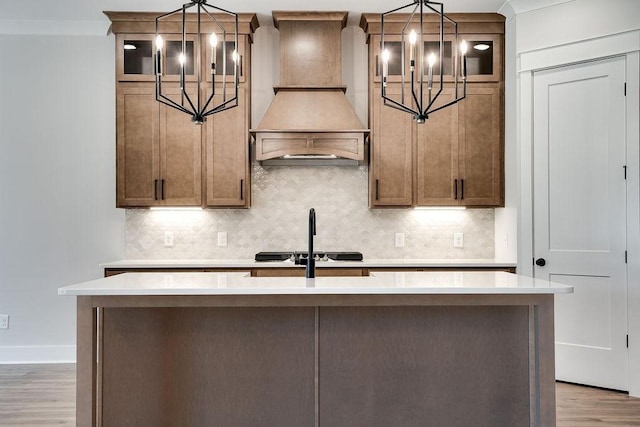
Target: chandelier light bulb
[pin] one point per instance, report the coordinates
(413, 37)
(182, 59)
(234, 56)
(385, 56)
(431, 60)
(213, 40)
(159, 43)
(463, 47)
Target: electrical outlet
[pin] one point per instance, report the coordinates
(399, 240)
(222, 238)
(458, 240)
(168, 239)
(4, 321)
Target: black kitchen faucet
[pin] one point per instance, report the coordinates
(311, 261)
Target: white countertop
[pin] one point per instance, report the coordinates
(249, 263)
(389, 283)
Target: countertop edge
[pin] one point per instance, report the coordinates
(382, 283)
(248, 263)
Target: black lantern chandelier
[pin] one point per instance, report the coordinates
(428, 58)
(198, 97)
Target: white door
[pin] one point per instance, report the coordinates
(580, 215)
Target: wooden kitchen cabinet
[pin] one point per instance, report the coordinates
(456, 158)
(227, 159)
(481, 146)
(158, 151)
(390, 174)
(163, 158)
(459, 154)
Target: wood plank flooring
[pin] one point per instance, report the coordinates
(44, 395)
(38, 395)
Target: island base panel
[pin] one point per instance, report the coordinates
(417, 366)
(208, 366)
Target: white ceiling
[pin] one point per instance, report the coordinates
(91, 10)
(85, 17)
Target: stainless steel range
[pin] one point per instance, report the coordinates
(296, 256)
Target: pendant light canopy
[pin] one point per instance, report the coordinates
(436, 57)
(182, 64)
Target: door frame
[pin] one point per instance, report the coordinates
(624, 44)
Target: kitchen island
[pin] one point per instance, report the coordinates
(391, 349)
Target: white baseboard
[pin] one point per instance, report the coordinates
(13, 355)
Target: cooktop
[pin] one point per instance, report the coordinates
(295, 256)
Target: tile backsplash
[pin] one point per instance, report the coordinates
(277, 221)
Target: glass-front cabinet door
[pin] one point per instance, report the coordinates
(483, 59)
(230, 47)
(136, 53)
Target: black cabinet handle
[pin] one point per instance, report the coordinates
(462, 189)
(155, 189)
(377, 189)
(541, 262)
(163, 189)
(242, 189)
(455, 185)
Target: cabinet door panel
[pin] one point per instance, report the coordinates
(480, 127)
(181, 146)
(227, 161)
(138, 158)
(437, 157)
(391, 164)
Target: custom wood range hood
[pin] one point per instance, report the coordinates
(310, 116)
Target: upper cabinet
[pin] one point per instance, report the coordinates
(163, 158)
(159, 160)
(455, 158)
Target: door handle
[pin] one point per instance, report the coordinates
(541, 262)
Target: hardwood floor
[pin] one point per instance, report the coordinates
(37, 395)
(578, 406)
(44, 395)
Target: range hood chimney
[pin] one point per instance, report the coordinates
(310, 116)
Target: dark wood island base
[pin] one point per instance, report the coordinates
(316, 360)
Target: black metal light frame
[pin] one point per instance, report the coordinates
(200, 107)
(423, 107)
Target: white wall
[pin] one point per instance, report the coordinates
(506, 219)
(57, 185)
(569, 32)
(574, 21)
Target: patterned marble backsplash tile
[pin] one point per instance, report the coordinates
(277, 221)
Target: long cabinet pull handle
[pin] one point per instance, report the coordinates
(163, 189)
(462, 189)
(377, 189)
(242, 189)
(155, 189)
(455, 185)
